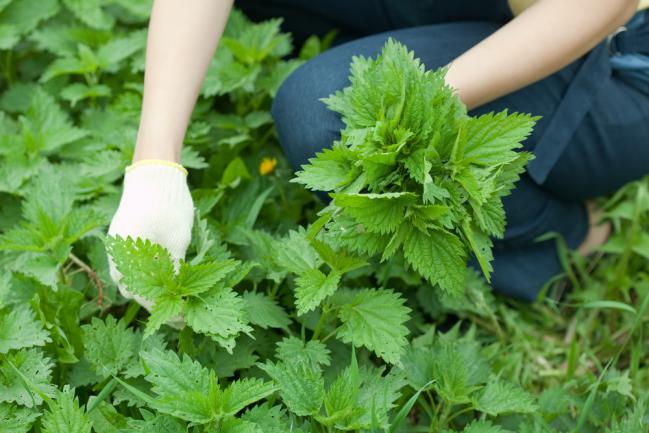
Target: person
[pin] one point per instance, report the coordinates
(553, 58)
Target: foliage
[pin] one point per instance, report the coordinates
(287, 324)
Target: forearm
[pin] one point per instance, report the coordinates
(543, 39)
(182, 38)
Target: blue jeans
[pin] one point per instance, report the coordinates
(608, 146)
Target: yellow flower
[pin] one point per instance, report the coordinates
(267, 165)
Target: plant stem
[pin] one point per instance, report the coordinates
(321, 321)
(92, 275)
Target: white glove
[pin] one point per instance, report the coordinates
(156, 205)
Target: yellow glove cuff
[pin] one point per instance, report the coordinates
(156, 162)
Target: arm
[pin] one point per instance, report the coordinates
(156, 203)
(181, 42)
(541, 40)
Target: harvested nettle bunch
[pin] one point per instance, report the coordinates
(413, 173)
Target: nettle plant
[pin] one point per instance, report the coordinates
(412, 173)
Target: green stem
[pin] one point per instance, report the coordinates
(321, 322)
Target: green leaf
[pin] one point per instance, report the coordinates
(24, 15)
(312, 287)
(196, 279)
(182, 387)
(439, 256)
(155, 423)
(244, 392)
(375, 319)
(327, 170)
(166, 309)
(272, 419)
(28, 364)
(301, 385)
(500, 397)
(14, 419)
(20, 329)
(378, 213)
(295, 254)
(108, 345)
(264, 311)
(483, 426)
(312, 352)
(65, 416)
(9, 36)
(90, 12)
(147, 268)
(78, 91)
(219, 314)
(491, 137)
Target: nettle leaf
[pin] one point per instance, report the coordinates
(220, 314)
(154, 423)
(483, 426)
(19, 329)
(197, 292)
(499, 397)
(328, 169)
(375, 318)
(29, 365)
(147, 268)
(91, 13)
(301, 385)
(64, 415)
(295, 254)
(378, 213)
(15, 419)
(408, 142)
(264, 311)
(183, 388)
(23, 16)
(312, 287)
(109, 346)
(244, 392)
(312, 352)
(439, 256)
(272, 419)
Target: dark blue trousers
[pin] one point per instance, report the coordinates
(603, 118)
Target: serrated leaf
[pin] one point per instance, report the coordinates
(295, 254)
(483, 426)
(147, 268)
(20, 329)
(312, 352)
(196, 279)
(301, 385)
(182, 387)
(14, 419)
(378, 213)
(500, 397)
(375, 319)
(312, 287)
(108, 345)
(219, 314)
(91, 13)
(64, 415)
(30, 365)
(327, 170)
(244, 392)
(439, 256)
(264, 311)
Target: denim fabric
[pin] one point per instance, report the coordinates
(608, 147)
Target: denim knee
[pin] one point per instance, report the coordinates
(304, 124)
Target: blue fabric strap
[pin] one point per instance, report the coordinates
(570, 112)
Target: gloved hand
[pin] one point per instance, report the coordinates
(156, 205)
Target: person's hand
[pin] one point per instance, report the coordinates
(156, 205)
